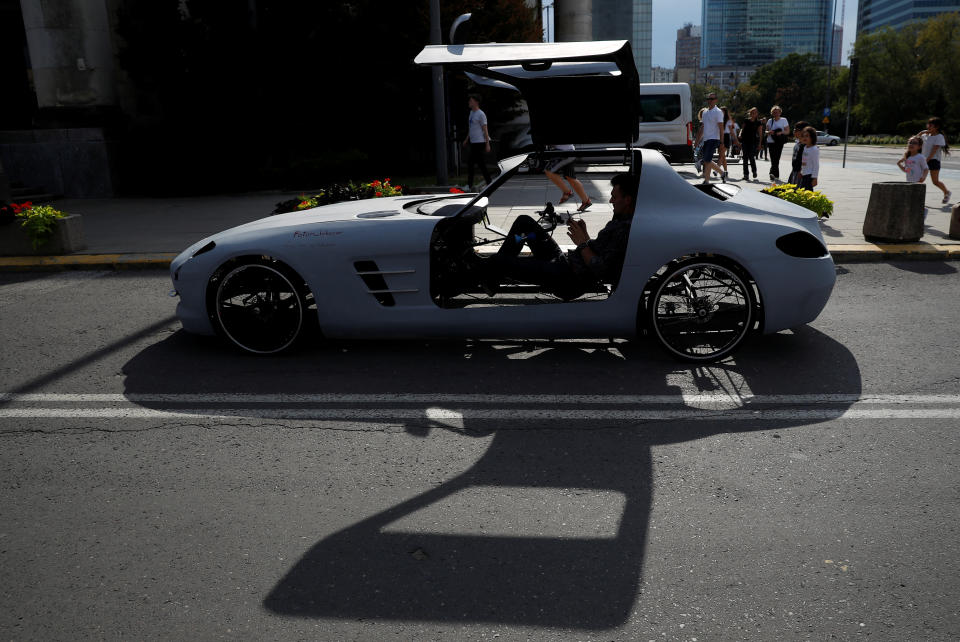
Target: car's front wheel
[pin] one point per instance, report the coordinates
(258, 307)
(701, 310)
(833, 143)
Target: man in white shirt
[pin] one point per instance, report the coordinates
(712, 135)
(478, 140)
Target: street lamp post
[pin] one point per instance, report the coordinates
(439, 120)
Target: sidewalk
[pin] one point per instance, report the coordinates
(148, 233)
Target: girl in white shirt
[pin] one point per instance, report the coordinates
(913, 162)
(810, 166)
(934, 142)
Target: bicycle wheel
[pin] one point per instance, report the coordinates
(701, 310)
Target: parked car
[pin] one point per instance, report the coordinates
(706, 266)
(823, 138)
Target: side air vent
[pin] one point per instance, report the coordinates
(374, 278)
(203, 250)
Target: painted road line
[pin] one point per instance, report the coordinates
(193, 399)
(481, 414)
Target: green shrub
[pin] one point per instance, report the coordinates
(813, 201)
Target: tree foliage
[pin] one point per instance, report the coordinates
(906, 75)
(797, 83)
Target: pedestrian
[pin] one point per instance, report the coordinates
(810, 164)
(711, 133)
(751, 132)
(698, 146)
(729, 137)
(913, 162)
(558, 169)
(777, 128)
(796, 160)
(935, 142)
(477, 140)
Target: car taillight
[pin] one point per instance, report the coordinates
(690, 134)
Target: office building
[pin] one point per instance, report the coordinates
(633, 21)
(874, 14)
(687, 53)
(741, 34)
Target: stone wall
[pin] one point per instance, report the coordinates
(74, 162)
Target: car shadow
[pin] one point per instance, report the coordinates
(398, 565)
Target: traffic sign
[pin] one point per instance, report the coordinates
(826, 111)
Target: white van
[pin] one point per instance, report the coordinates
(666, 122)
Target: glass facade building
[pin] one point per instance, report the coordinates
(633, 21)
(874, 14)
(750, 33)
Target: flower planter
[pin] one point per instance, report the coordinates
(67, 237)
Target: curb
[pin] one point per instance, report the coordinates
(148, 261)
(846, 253)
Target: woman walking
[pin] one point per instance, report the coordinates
(777, 130)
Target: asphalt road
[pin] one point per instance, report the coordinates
(159, 486)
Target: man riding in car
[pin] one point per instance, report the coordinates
(571, 274)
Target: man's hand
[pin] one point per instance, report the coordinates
(577, 231)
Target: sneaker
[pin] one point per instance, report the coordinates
(746, 177)
(946, 197)
(754, 176)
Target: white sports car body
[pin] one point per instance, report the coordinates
(705, 267)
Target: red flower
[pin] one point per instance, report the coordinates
(375, 183)
(379, 194)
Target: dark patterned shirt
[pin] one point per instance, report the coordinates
(610, 251)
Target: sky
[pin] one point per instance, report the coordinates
(670, 15)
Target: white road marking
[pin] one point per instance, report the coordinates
(399, 397)
(455, 409)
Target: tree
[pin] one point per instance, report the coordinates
(797, 83)
(938, 49)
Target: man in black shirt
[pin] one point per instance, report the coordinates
(578, 271)
(751, 132)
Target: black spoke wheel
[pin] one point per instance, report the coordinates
(258, 308)
(701, 310)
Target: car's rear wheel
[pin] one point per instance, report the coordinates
(258, 307)
(833, 143)
(701, 310)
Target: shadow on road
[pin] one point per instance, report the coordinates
(442, 572)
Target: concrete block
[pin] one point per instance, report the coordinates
(895, 212)
(67, 238)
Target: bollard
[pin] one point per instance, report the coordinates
(954, 232)
(895, 212)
